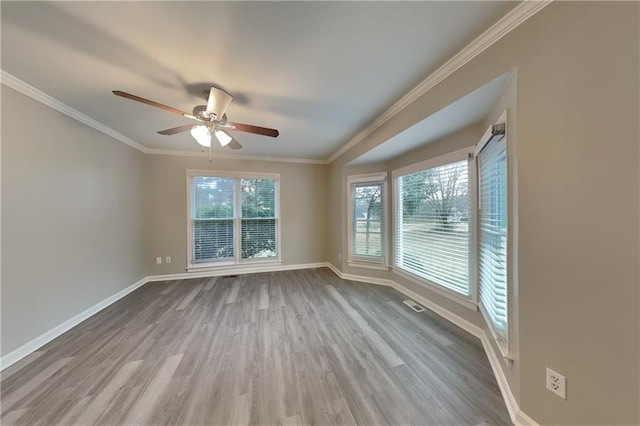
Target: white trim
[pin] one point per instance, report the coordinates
(518, 417)
(524, 420)
(355, 263)
(487, 135)
(504, 26)
(359, 278)
(38, 95)
(237, 218)
(473, 231)
(368, 177)
(459, 298)
(371, 262)
(235, 271)
(216, 155)
(503, 384)
(448, 158)
(31, 346)
(444, 313)
(233, 174)
(231, 265)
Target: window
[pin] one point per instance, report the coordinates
(232, 219)
(432, 216)
(259, 220)
(492, 232)
(367, 219)
(212, 219)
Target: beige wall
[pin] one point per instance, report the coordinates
(72, 221)
(303, 209)
(577, 208)
(576, 168)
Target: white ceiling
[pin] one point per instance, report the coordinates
(470, 109)
(317, 71)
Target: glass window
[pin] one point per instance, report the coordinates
(432, 237)
(492, 234)
(367, 219)
(232, 218)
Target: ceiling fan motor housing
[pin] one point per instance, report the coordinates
(200, 112)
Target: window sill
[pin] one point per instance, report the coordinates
(232, 266)
(365, 265)
(458, 298)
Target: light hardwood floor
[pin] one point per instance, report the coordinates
(292, 348)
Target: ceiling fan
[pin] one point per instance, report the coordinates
(212, 119)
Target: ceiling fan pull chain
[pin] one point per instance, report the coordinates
(210, 153)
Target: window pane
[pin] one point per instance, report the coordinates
(432, 229)
(492, 235)
(258, 238)
(258, 198)
(259, 213)
(367, 221)
(212, 218)
(212, 239)
(213, 197)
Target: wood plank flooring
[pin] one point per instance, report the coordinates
(281, 348)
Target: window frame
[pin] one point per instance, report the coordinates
(504, 344)
(237, 261)
(364, 261)
(470, 301)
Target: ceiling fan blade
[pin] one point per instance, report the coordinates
(218, 102)
(152, 103)
(178, 129)
(234, 144)
(254, 129)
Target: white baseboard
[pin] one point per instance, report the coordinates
(467, 326)
(236, 271)
(503, 384)
(523, 420)
(518, 417)
(31, 346)
(359, 278)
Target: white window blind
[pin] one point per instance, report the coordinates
(259, 218)
(232, 219)
(432, 236)
(212, 219)
(492, 236)
(367, 220)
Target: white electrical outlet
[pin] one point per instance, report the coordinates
(557, 383)
(339, 256)
(158, 260)
(167, 259)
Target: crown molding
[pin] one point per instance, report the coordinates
(504, 26)
(37, 94)
(217, 155)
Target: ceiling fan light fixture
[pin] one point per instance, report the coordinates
(201, 135)
(223, 137)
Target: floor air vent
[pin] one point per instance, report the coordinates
(229, 276)
(413, 305)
